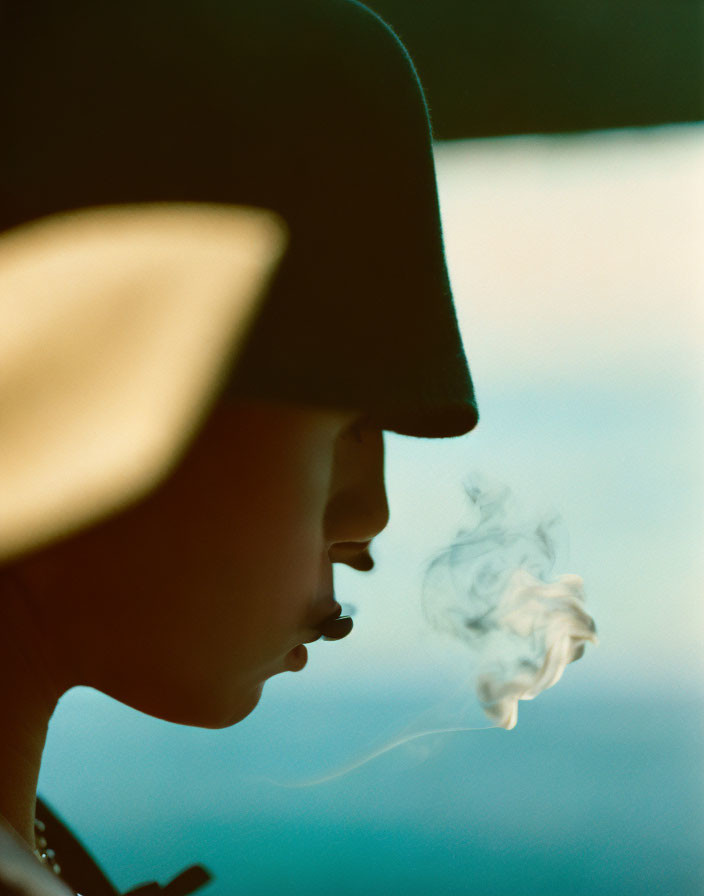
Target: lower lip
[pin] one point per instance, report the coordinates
(297, 658)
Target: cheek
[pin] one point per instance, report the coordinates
(207, 585)
(251, 564)
(275, 560)
(258, 583)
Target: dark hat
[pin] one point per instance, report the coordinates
(310, 108)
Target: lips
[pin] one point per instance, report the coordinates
(335, 629)
(333, 626)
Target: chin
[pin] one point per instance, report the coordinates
(229, 713)
(214, 711)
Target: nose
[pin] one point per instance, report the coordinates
(358, 507)
(354, 554)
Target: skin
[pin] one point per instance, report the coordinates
(183, 605)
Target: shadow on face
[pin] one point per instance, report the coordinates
(183, 604)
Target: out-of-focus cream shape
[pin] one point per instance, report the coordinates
(117, 325)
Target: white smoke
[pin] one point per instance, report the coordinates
(490, 590)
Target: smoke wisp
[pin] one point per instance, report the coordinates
(490, 590)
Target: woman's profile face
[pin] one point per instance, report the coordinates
(184, 604)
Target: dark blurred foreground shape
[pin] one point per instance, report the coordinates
(551, 66)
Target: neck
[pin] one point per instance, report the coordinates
(28, 697)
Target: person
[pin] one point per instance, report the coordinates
(221, 280)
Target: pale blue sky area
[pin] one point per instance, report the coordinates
(579, 282)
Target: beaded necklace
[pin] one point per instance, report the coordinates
(45, 855)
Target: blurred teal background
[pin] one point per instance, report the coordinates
(577, 267)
